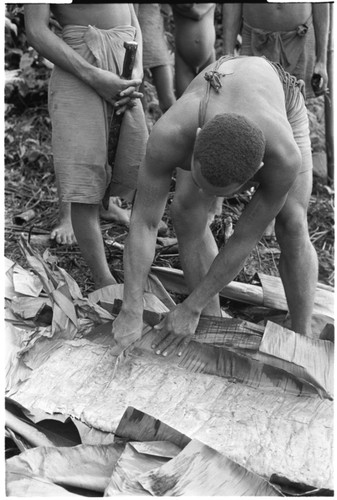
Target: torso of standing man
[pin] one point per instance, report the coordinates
(101, 15)
(276, 17)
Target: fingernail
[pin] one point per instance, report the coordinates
(157, 352)
(165, 353)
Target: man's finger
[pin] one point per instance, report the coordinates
(130, 89)
(169, 349)
(183, 343)
(176, 346)
(162, 344)
(160, 325)
(163, 336)
(168, 345)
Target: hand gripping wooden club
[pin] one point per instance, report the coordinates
(116, 120)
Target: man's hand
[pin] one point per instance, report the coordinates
(116, 90)
(176, 330)
(127, 328)
(320, 69)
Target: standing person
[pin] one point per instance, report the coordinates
(292, 34)
(194, 41)
(156, 56)
(194, 50)
(226, 130)
(85, 89)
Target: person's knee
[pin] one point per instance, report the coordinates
(292, 232)
(189, 220)
(179, 215)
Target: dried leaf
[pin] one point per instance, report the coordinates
(292, 433)
(131, 465)
(82, 466)
(198, 470)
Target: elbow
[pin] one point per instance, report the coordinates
(30, 37)
(295, 160)
(294, 164)
(35, 38)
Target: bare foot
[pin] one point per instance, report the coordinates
(63, 233)
(115, 213)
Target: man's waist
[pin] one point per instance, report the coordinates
(247, 26)
(74, 30)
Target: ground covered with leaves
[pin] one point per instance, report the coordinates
(30, 182)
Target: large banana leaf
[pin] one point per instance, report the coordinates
(264, 426)
(251, 397)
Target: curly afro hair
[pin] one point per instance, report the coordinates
(229, 148)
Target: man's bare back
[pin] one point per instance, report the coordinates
(262, 102)
(103, 16)
(276, 17)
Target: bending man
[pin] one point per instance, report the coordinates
(226, 130)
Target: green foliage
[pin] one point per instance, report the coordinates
(15, 38)
(28, 147)
(27, 73)
(27, 142)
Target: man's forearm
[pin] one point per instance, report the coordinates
(138, 69)
(138, 257)
(50, 46)
(321, 26)
(226, 266)
(249, 229)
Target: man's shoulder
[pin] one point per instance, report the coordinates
(172, 138)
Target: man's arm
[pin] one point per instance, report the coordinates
(231, 26)
(279, 174)
(138, 68)
(320, 13)
(50, 46)
(164, 153)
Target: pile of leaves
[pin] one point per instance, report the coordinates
(30, 181)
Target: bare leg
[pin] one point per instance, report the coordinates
(197, 247)
(298, 261)
(85, 219)
(115, 213)
(210, 60)
(163, 81)
(184, 74)
(63, 232)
